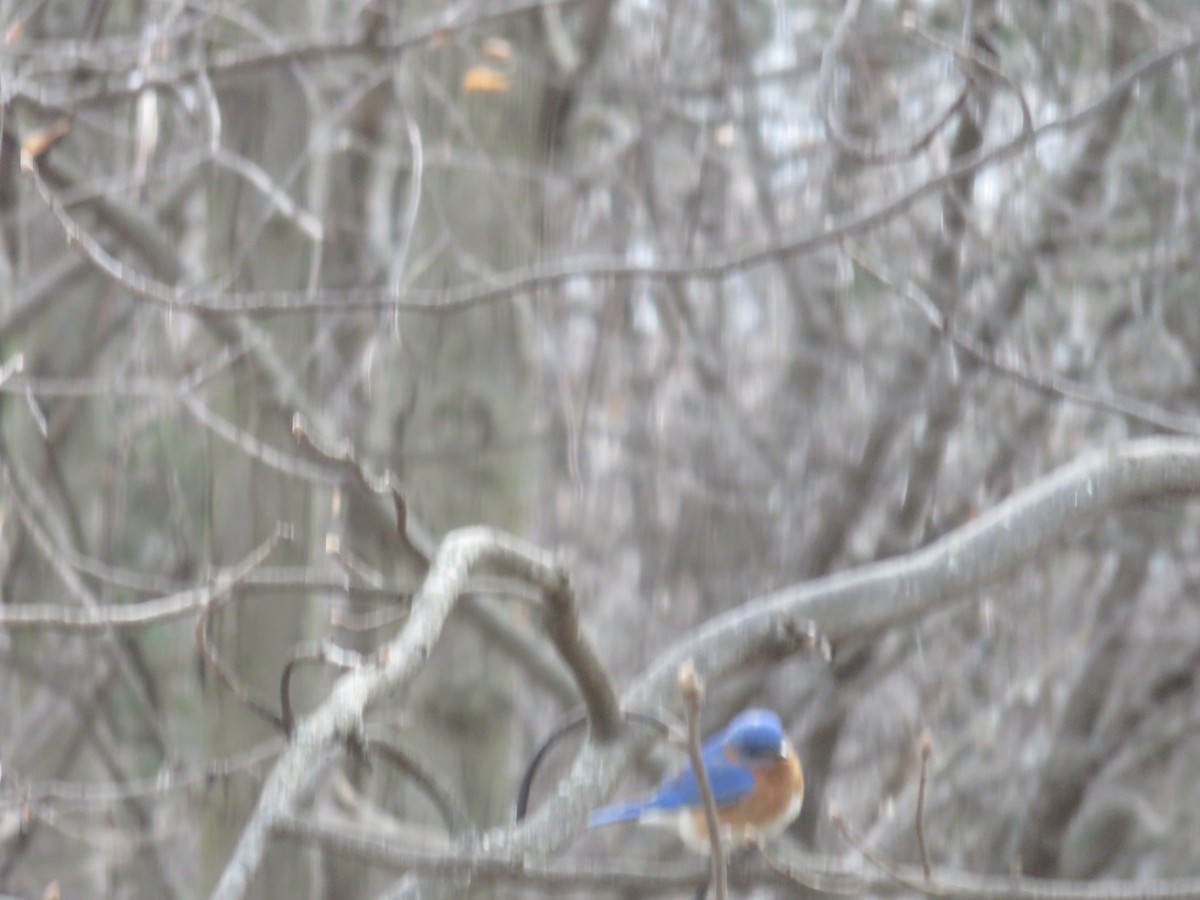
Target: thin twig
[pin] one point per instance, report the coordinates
(525, 788)
(821, 882)
(408, 222)
(59, 617)
(973, 58)
(416, 540)
(368, 621)
(324, 653)
(93, 796)
(1048, 383)
(277, 197)
(356, 568)
(691, 688)
(226, 675)
(926, 748)
(453, 813)
(834, 128)
(886, 866)
(251, 445)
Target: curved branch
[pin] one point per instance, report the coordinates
(449, 806)
(562, 624)
(871, 599)
(341, 716)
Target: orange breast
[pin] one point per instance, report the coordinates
(770, 807)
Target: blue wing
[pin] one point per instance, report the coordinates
(730, 783)
(622, 812)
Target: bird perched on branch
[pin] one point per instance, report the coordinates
(756, 782)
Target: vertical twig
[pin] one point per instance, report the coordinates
(691, 688)
(926, 749)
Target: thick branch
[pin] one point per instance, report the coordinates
(871, 599)
(828, 874)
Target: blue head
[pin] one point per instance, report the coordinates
(756, 736)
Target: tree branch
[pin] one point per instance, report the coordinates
(691, 689)
(392, 667)
(827, 874)
(101, 617)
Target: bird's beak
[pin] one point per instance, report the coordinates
(782, 752)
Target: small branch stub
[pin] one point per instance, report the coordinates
(691, 687)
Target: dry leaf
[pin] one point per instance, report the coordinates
(484, 80)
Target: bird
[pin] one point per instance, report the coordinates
(757, 785)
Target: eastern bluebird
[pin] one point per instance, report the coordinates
(756, 782)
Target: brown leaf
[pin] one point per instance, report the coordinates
(484, 80)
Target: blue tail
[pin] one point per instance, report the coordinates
(622, 812)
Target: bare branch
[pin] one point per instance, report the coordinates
(484, 867)
(457, 820)
(136, 78)
(90, 796)
(100, 618)
(1048, 383)
(563, 627)
(691, 689)
(873, 598)
(341, 716)
(714, 266)
(414, 536)
(322, 653)
(926, 749)
(228, 677)
(821, 873)
(886, 866)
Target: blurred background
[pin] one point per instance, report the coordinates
(711, 297)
